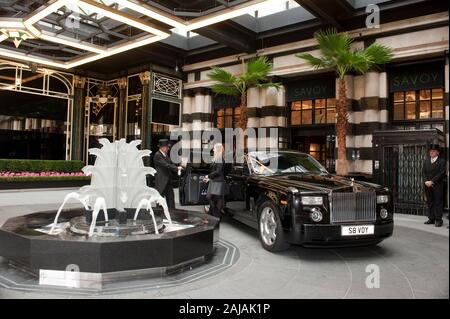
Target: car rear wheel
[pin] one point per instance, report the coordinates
(270, 229)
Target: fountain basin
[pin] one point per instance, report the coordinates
(80, 225)
(24, 241)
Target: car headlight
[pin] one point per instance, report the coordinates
(383, 213)
(382, 199)
(316, 215)
(312, 200)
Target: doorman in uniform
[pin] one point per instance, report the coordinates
(434, 179)
(165, 169)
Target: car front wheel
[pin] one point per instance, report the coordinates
(270, 229)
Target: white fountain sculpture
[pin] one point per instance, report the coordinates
(118, 181)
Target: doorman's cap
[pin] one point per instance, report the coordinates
(435, 147)
(163, 142)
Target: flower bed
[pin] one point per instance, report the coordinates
(39, 174)
(29, 182)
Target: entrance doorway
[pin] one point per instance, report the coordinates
(321, 147)
(315, 146)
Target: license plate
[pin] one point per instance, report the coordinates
(358, 230)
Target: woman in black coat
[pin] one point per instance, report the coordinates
(216, 181)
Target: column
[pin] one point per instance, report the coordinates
(77, 138)
(254, 114)
(367, 112)
(201, 118)
(186, 118)
(368, 119)
(207, 112)
(273, 115)
(122, 109)
(146, 127)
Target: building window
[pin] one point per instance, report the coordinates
(228, 117)
(425, 104)
(319, 111)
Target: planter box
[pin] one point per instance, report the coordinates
(43, 184)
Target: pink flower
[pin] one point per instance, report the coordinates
(37, 174)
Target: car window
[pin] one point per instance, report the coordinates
(265, 163)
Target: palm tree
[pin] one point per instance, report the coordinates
(255, 74)
(337, 54)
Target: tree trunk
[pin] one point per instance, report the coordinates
(244, 113)
(341, 130)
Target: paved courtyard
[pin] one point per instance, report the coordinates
(414, 263)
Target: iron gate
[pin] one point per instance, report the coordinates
(398, 160)
(402, 173)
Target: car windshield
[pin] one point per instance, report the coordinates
(264, 163)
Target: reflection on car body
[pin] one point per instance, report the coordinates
(290, 198)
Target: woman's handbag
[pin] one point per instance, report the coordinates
(216, 188)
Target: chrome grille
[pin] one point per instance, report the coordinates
(349, 207)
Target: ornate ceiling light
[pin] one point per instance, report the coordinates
(17, 35)
(150, 33)
(110, 9)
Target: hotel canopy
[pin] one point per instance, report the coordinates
(66, 34)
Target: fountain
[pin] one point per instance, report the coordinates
(118, 181)
(124, 226)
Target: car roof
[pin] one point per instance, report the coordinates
(282, 151)
(273, 151)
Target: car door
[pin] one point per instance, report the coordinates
(236, 199)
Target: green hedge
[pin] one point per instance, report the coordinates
(43, 178)
(35, 166)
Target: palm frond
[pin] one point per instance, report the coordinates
(257, 71)
(222, 76)
(225, 89)
(255, 74)
(343, 63)
(378, 54)
(337, 53)
(220, 88)
(253, 78)
(332, 43)
(358, 62)
(260, 65)
(269, 85)
(315, 62)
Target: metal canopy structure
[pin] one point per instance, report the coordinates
(86, 34)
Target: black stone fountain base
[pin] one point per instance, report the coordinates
(25, 240)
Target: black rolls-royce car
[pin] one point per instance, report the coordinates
(290, 198)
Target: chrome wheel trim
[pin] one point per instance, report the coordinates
(268, 226)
